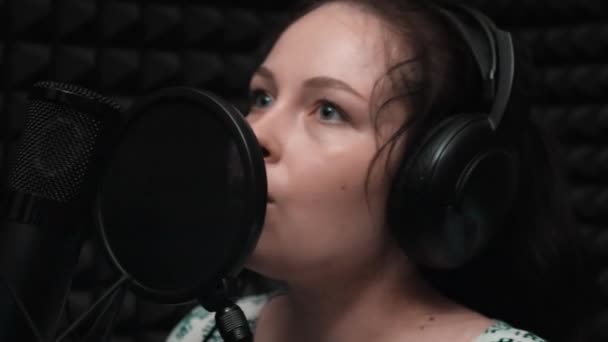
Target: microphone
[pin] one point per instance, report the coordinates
(68, 133)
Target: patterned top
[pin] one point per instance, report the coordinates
(199, 325)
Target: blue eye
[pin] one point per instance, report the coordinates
(331, 112)
(259, 98)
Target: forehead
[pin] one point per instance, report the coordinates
(338, 40)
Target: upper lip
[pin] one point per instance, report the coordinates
(269, 198)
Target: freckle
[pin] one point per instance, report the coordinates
(343, 187)
(431, 318)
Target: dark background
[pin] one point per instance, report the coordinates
(125, 49)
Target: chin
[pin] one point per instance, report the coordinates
(256, 260)
(264, 269)
(268, 264)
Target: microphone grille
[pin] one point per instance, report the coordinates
(80, 91)
(59, 142)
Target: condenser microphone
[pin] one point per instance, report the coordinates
(67, 135)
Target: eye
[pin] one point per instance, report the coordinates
(258, 98)
(328, 111)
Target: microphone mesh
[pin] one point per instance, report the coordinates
(55, 152)
(80, 91)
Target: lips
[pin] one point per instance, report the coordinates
(269, 198)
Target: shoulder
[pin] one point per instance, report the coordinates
(503, 332)
(200, 323)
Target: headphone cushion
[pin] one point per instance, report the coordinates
(441, 208)
(445, 150)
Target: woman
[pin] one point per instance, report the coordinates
(330, 166)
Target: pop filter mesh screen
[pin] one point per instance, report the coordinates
(168, 202)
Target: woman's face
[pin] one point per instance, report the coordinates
(311, 111)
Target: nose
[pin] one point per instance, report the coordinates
(265, 128)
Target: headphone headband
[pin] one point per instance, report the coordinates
(492, 49)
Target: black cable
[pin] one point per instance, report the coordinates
(109, 307)
(21, 306)
(69, 317)
(99, 302)
(117, 307)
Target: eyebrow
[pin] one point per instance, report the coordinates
(314, 82)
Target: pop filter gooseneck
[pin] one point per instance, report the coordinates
(182, 201)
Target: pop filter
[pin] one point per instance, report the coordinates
(183, 198)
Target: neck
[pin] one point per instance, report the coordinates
(374, 297)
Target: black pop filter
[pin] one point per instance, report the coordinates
(183, 198)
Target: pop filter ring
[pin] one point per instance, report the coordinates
(253, 170)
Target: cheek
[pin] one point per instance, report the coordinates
(329, 188)
(324, 218)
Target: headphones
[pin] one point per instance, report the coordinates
(453, 190)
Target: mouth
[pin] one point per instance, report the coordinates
(269, 199)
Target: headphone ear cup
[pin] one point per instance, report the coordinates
(449, 194)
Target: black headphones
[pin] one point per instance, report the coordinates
(451, 193)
